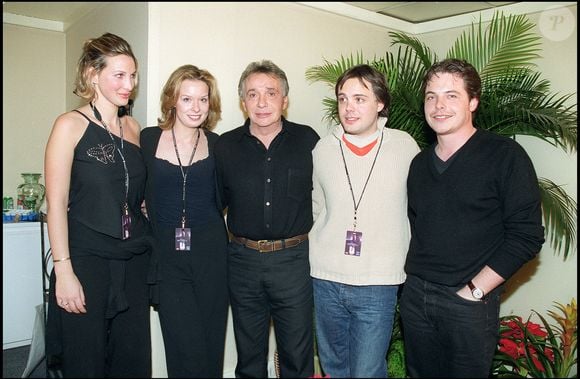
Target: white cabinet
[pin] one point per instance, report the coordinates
(22, 281)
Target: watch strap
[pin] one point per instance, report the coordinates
(475, 289)
(470, 285)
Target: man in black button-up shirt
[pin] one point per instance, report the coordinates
(264, 171)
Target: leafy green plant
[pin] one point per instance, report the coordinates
(531, 350)
(396, 365)
(515, 99)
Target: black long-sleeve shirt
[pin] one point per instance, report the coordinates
(268, 192)
(484, 209)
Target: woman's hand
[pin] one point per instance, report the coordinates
(69, 293)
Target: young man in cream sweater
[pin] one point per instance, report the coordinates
(360, 236)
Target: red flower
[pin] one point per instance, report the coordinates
(531, 350)
(536, 329)
(534, 356)
(512, 342)
(548, 352)
(510, 348)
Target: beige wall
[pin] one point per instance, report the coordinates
(33, 95)
(224, 38)
(128, 20)
(39, 70)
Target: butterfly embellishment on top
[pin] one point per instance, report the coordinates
(103, 153)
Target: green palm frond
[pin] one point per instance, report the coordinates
(329, 72)
(423, 53)
(508, 41)
(559, 121)
(404, 73)
(517, 103)
(331, 110)
(560, 212)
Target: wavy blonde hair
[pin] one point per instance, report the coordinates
(93, 60)
(170, 95)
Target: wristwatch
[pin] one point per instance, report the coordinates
(475, 291)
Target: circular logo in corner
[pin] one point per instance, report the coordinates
(557, 23)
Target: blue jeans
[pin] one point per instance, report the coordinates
(447, 336)
(353, 328)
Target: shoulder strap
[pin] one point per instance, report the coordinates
(149, 139)
(84, 115)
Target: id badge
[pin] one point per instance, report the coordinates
(182, 239)
(125, 226)
(353, 243)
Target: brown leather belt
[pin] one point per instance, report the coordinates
(270, 246)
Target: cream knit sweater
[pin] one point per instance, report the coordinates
(382, 213)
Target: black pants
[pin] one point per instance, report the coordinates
(193, 304)
(447, 336)
(273, 285)
(92, 346)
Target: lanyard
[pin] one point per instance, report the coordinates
(184, 174)
(357, 203)
(100, 119)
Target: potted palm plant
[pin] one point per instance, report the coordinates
(515, 100)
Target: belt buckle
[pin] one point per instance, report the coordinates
(264, 250)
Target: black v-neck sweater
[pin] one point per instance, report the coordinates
(484, 209)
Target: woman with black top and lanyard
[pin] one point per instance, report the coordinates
(189, 261)
(98, 317)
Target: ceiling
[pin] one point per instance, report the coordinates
(409, 11)
(65, 12)
(423, 11)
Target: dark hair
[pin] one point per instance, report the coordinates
(93, 60)
(170, 95)
(364, 72)
(263, 67)
(459, 68)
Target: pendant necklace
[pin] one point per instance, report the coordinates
(353, 237)
(125, 216)
(183, 234)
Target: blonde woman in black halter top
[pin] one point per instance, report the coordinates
(98, 317)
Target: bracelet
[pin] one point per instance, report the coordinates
(60, 260)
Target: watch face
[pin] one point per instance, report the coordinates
(477, 293)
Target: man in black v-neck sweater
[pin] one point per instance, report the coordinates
(475, 214)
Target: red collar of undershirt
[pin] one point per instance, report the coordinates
(360, 151)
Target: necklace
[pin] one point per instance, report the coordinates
(182, 230)
(357, 203)
(353, 244)
(125, 217)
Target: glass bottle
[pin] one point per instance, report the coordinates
(30, 193)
